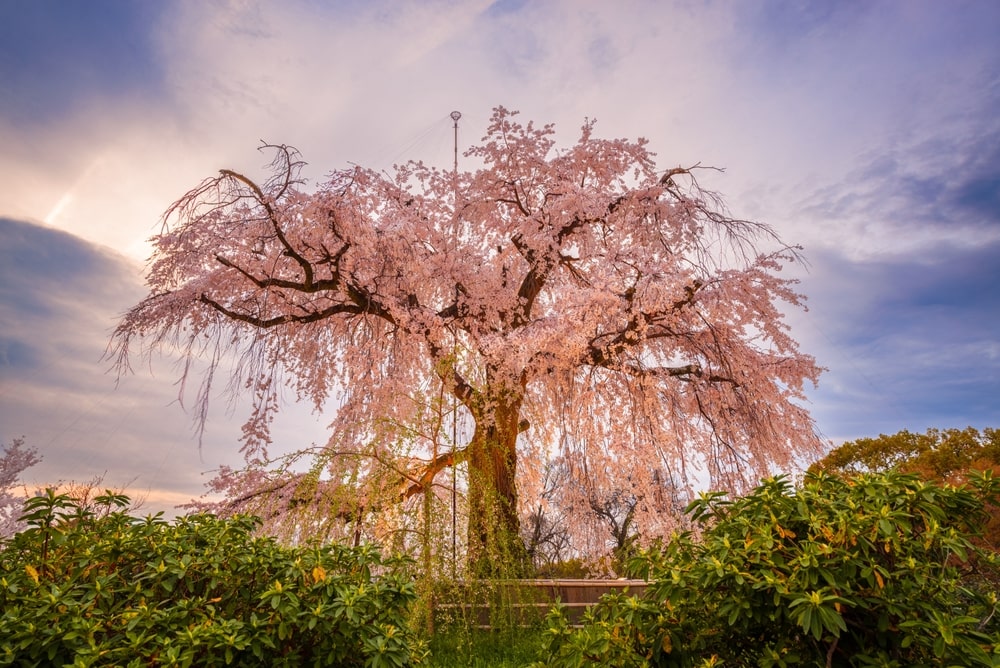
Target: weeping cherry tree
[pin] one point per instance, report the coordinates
(577, 301)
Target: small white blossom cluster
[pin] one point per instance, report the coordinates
(15, 459)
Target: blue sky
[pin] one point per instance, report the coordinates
(868, 132)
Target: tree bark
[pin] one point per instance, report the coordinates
(496, 548)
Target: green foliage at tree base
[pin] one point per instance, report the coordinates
(876, 570)
(78, 589)
(484, 648)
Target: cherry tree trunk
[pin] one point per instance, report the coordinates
(496, 548)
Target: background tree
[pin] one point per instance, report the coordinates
(939, 455)
(14, 459)
(579, 292)
(615, 511)
(944, 455)
(594, 510)
(546, 525)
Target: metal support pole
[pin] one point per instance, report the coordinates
(455, 115)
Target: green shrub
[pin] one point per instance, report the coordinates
(876, 570)
(78, 589)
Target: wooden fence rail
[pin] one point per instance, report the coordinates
(488, 604)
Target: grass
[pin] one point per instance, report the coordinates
(485, 649)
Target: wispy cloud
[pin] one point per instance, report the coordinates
(909, 343)
(903, 199)
(56, 56)
(59, 299)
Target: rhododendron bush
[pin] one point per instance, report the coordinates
(95, 586)
(871, 570)
(578, 303)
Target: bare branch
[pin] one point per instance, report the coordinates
(285, 318)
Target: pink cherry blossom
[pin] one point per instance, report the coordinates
(576, 303)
